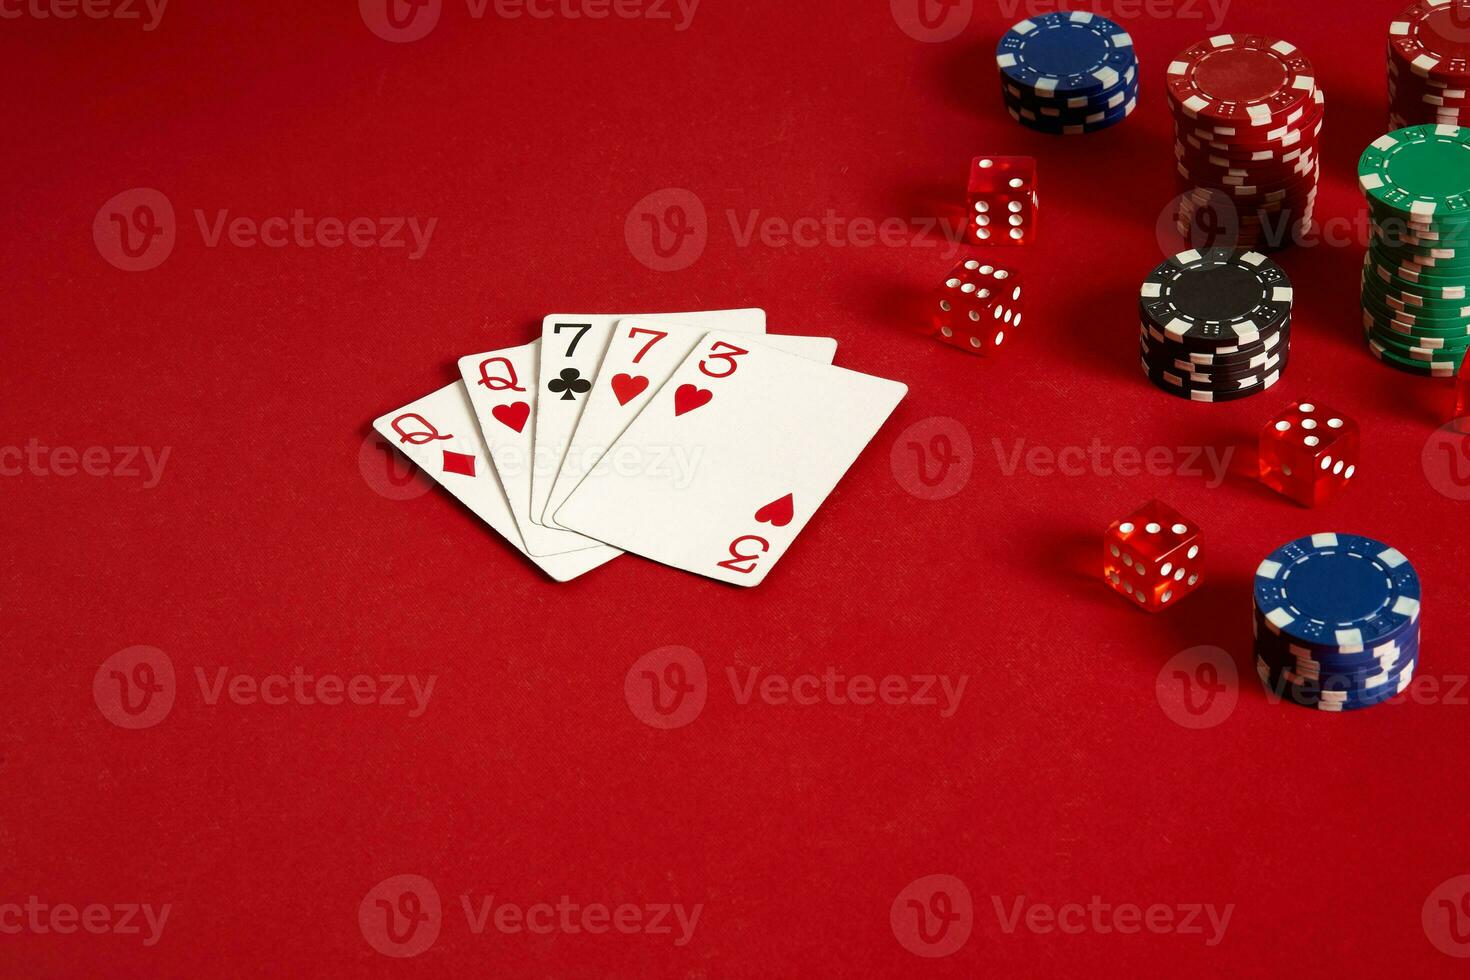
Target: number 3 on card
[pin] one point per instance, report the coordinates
(743, 561)
(728, 355)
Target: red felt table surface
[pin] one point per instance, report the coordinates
(266, 545)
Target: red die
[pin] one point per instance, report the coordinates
(1309, 453)
(1002, 200)
(1153, 556)
(976, 306)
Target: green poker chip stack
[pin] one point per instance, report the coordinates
(1416, 275)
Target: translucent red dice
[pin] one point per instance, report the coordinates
(1152, 556)
(1002, 201)
(1309, 453)
(976, 307)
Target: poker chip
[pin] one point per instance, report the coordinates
(1336, 622)
(1220, 303)
(1429, 64)
(1068, 73)
(1247, 117)
(1415, 286)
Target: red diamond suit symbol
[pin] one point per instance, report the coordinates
(459, 463)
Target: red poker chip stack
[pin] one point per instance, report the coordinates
(1247, 115)
(1429, 65)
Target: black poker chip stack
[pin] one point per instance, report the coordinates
(1215, 325)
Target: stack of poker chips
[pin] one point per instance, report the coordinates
(1068, 73)
(1336, 622)
(1429, 64)
(1215, 325)
(1416, 313)
(1247, 114)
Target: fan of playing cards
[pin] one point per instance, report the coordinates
(692, 439)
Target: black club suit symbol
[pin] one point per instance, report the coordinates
(570, 385)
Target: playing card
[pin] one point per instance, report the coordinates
(438, 433)
(572, 345)
(502, 390)
(640, 358)
(771, 434)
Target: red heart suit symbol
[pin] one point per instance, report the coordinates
(777, 513)
(690, 397)
(512, 416)
(628, 387)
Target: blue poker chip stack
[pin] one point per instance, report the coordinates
(1337, 622)
(1068, 73)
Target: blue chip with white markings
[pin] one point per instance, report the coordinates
(1064, 54)
(1343, 592)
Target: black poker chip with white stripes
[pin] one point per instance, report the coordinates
(1215, 325)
